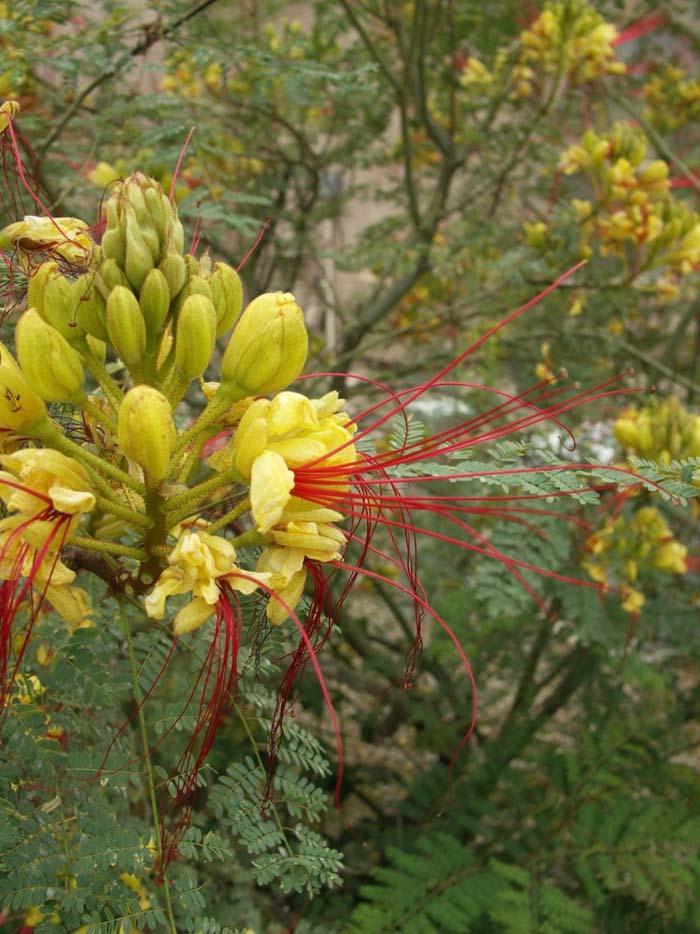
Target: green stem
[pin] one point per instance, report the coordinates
(102, 418)
(108, 548)
(226, 395)
(138, 696)
(55, 439)
(107, 384)
(178, 507)
(229, 516)
(256, 752)
(124, 512)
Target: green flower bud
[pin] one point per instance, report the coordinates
(154, 301)
(59, 306)
(195, 336)
(139, 258)
(195, 285)
(146, 432)
(125, 326)
(37, 284)
(111, 275)
(97, 348)
(227, 295)
(174, 269)
(269, 345)
(49, 364)
(92, 310)
(159, 210)
(114, 246)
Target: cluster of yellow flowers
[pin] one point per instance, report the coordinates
(672, 99)
(627, 549)
(568, 40)
(633, 213)
(662, 431)
(141, 319)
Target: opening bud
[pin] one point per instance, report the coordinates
(146, 430)
(49, 364)
(269, 345)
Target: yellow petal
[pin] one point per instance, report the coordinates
(271, 483)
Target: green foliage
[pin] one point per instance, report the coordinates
(439, 886)
(410, 205)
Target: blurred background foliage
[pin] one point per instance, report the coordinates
(416, 170)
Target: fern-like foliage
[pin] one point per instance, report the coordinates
(439, 886)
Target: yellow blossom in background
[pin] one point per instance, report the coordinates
(568, 39)
(631, 548)
(662, 431)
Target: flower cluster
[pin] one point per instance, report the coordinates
(629, 548)
(567, 40)
(672, 99)
(632, 213)
(663, 431)
(266, 491)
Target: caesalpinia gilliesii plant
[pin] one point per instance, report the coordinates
(115, 333)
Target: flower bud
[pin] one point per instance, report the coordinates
(154, 301)
(114, 247)
(125, 326)
(111, 275)
(195, 285)
(195, 336)
(227, 295)
(174, 269)
(139, 258)
(59, 306)
(146, 430)
(92, 310)
(37, 283)
(49, 364)
(269, 345)
(20, 407)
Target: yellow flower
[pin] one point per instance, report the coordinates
(197, 562)
(66, 237)
(276, 436)
(633, 600)
(287, 576)
(37, 477)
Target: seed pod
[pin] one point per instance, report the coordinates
(227, 295)
(125, 326)
(195, 336)
(146, 430)
(49, 364)
(269, 345)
